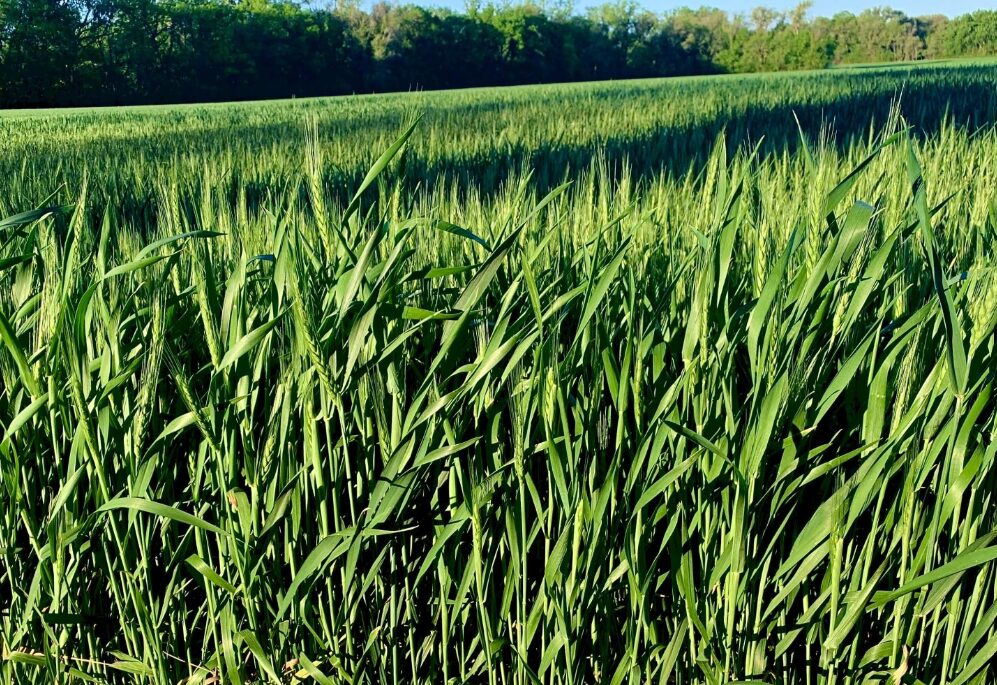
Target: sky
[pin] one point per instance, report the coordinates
(825, 8)
(821, 8)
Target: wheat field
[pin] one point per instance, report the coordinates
(682, 381)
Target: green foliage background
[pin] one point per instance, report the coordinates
(100, 52)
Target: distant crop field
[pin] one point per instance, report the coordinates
(479, 137)
(671, 381)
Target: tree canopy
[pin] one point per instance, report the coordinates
(93, 52)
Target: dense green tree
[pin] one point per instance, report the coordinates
(527, 46)
(700, 36)
(63, 52)
(41, 54)
(972, 34)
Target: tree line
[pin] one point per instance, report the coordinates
(96, 52)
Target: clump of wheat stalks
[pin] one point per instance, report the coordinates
(705, 428)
